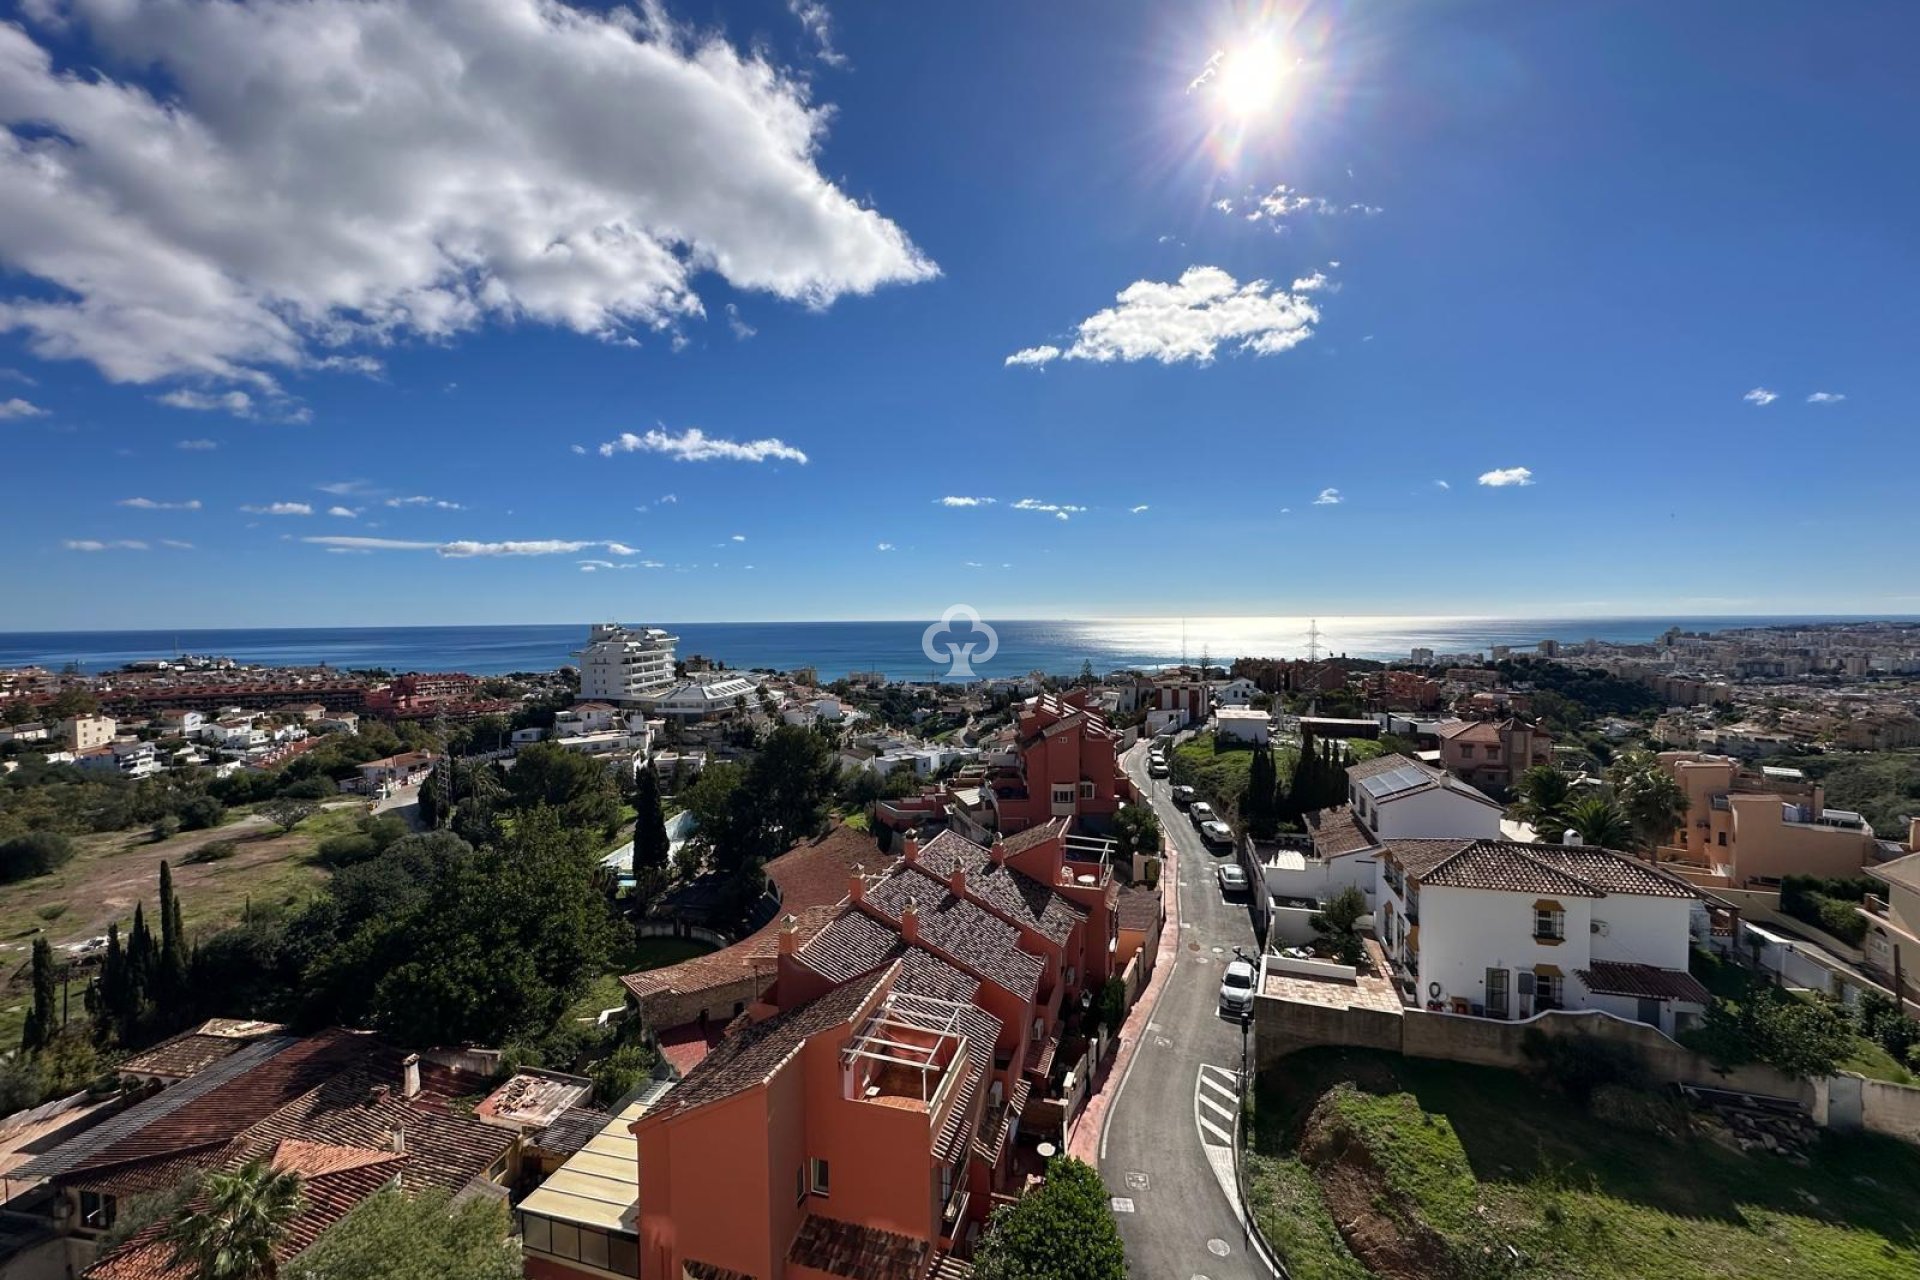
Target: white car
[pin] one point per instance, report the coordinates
(1156, 766)
(1232, 879)
(1236, 989)
(1183, 794)
(1216, 832)
(1201, 812)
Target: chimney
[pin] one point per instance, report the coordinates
(911, 850)
(1570, 836)
(397, 1139)
(910, 921)
(410, 1076)
(857, 885)
(997, 853)
(789, 934)
(1913, 834)
(957, 882)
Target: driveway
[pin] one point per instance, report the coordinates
(1168, 1145)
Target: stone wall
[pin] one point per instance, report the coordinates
(1281, 1027)
(720, 1002)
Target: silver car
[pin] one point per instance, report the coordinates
(1236, 989)
(1232, 879)
(1216, 832)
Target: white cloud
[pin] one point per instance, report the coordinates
(16, 375)
(279, 509)
(622, 549)
(1761, 396)
(422, 500)
(741, 329)
(1039, 357)
(1137, 510)
(15, 407)
(1058, 510)
(1318, 282)
(577, 448)
(1190, 319)
(467, 549)
(1441, 484)
(345, 513)
(148, 504)
(175, 544)
(1329, 497)
(595, 566)
(695, 445)
(739, 537)
(885, 546)
(237, 403)
(345, 488)
(1284, 202)
(335, 542)
(1826, 397)
(967, 502)
(818, 22)
(1507, 477)
(394, 168)
(196, 446)
(94, 544)
(667, 499)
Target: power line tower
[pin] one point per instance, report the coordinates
(1313, 666)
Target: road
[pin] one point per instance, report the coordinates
(1169, 1137)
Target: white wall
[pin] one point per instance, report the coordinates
(1643, 930)
(1439, 814)
(1465, 932)
(1323, 879)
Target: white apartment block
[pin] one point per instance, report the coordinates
(621, 664)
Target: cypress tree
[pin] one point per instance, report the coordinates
(142, 959)
(650, 843)
(43, 1019)
(111, 1016)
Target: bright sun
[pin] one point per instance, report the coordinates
(1249, 79)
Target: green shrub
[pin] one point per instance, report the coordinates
(1581, 1065)
(52, 912)
(212, 851)
(344, 851)
(34, 854)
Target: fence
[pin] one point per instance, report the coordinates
(678, 929)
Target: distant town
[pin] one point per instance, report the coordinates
(653, 967)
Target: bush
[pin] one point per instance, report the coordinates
(1580, 1066)
(1638, 1111)
(34, 854)
(318, 787)
(1804, 1038)
(165, 827)
(344, 851)
(1883, 1022)
(201, 813)
(212, 851)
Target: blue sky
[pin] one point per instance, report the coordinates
(1229, 309)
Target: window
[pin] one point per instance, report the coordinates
(536, 1232)
(819, 1168)
(1723, 840)
(566, 1240)
(1496, 993)
(1063, 795)
(1549, 923)
(623, 1255)
(96, 1210)
(1086, 791)
(1546, 990)
(1466, 751)
(800, 1184)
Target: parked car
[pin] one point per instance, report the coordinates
(1156, 766)
(1183, 795)
(1216, 832)
(1232, 879)
(1201, 813)
(1236, 989)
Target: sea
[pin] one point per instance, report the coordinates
(834, 649)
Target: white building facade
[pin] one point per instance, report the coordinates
(623, 665)
(1403, 799)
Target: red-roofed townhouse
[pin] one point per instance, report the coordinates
(1064, 764)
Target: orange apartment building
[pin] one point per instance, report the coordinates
(1748, 828)
(1490, 754)
(862, 1119)
(1064, 763)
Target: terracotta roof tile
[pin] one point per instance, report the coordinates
(1643, 981)
(974, 938)
(1021, 841)
(1338, 831)
(1139, 906)
(856, 1252)
(1009, 893)
(1507, 866)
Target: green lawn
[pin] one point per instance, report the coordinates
(637, 956)
(1487, 1159)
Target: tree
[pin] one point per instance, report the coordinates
(1599, 822)
(790, 782)
(287, 812)
(230, 1231)
(650, 842)
(393, 1236)
(1652, 800)
(1063, 1231)
(1260, 802)
(621, 1072)
(1807, 1038)
(170, 974)
(1087, 678)
(71, 702)
(1136, 830)
(34, 854)
(1543, 795)
(43, 1019)
(1338, 920)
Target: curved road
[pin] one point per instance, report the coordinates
(1168, 1144)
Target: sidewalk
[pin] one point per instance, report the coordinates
(1083, 1136)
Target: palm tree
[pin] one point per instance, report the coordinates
(1652, 800)
(230, 1229)
(1543, 796)
(1600, 822)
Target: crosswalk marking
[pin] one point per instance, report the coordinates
(1216, 1103)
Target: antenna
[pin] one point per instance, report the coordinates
(1313, 666)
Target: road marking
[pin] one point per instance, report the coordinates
(1136, 1181)
(1122, 1204)
(1218, 1108)
(1162, 1042)
(1219, 1248)
(1208, 1083)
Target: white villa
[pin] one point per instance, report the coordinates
(1503, 930)
(599, 728)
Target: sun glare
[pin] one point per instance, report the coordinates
(1249, 79)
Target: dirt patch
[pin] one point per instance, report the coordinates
(1382, 1228)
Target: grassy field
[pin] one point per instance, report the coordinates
(112, 871)
(1219, 776)
(639, 955)
(1437, 1168)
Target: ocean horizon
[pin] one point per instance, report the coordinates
(1057, 647)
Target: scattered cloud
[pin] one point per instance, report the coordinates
(148, 504)
(1329, 497)
(967, 502)
(885, 546)
(174, 544)
(279, 509)
(197, 446)
(422, 500)
(577, 448)
(695, 445)
(1318, 282)
(94, 544)
(739, 537)
(345, 488)
(973, 564)
(16, 375)
(595, 566)
(622, 549)
(1137, 510)
(1507, 478)
(818, 22)
(741, 329)
(15, 407)
(466, 549)
(1826, 397)
(1442, 484)
(217, 228)
(1761, 396)
(1284, 202)
(345, 513)
(237, 403)
(1058, 510)
(1188, 320)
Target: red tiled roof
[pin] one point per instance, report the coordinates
(1139, 907)
(1507, 866)
(1643, 981)
(972, 937)
(1021, 841)
(1009, 893)
(1489, 864)
(1338, 830)
(856, 1252)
